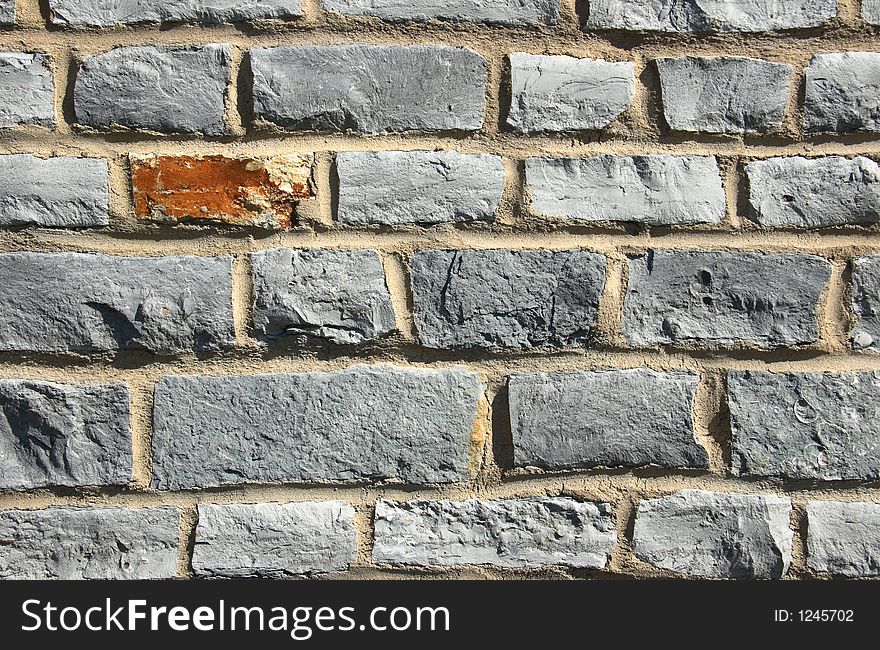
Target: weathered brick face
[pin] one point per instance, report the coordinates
(577, 289)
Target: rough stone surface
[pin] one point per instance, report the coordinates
(369, 89)
(805, 425)
(814, 193)
(658, 190)
(63, 192)
(767, 300)
(506, 299)
(723, 94)
(709, 15)
(843, 93)
(361, 423)
(272, 540)
(866, 303)
(59, 302)
(89, 543)
(843, 538)
(57, 434)
(27, 90)
(7, 12)
(507, 533)
(615, 418)
(256, 192)
(495, 12)
(100, 13)
(715, 534)
(417, 187)
(166, 89)
(339, 296)
(562, 93)
(871, 11)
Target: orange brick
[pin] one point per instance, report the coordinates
(242, 191)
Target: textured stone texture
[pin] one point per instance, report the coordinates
(89, 543)
(768, 300)
(100, 13)
(866, 303)
(64, 192)
(361, 423)
(615, 418)
(369, 89)
(723, 94)
(508, 533)
(417, 187)
(7, 12)
(561, 93)
(814, 193)
(843, 538)
(339, 296)
(57, 434)
(495, 12)
(843, 92)
(655, 189)
(272, 540)
(257, 192)
(27, 90)
(871, 11)
(715, 535)
(165, 89)
(506, 299)
(57, 302)
(709, 15)
(805, 425)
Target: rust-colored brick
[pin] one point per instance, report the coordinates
(242, 191)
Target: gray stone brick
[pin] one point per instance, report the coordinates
(815, 192)
(274, 540)
(843, 93)
(363, 423)
(613, 418)
(762, 299)
(63, 192)
(339, 296)
(871, 11)
(562, 93)
(59, 302)
(417, 187)
(805, 425)
(495, 12)
(843, 538)
(58, 434)
(99, 13)
(866, 303)
(27, 89)
(709, 15)
(506, 533)
(369, 89)
(89, 543)
(715, 535)
(723, 94)
(167, 89)
(506, 299)
(659, 190)
(7, 12)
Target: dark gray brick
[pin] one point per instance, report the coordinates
(506, 299)
(417, 187)
(369, 89)
(89, 543)
(803, 425)
(27, 90)
(274, 540)
(715, 534)
(866, 303)
(339, 296)
(843, 93)
(57, 302)
(763, 299)
(507, 533)
(612, 418)
(364, 423)
(843, 538)
(168, 89)
(99, 13)
(495, 12)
